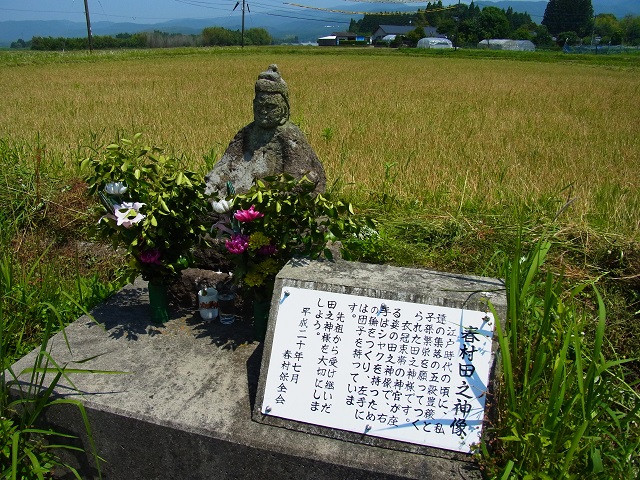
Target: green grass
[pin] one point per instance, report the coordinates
(43, 287)
(43, 263)
(565, 410)
(27, 451)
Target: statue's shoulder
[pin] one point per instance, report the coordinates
(238, 140)
(244, 131)
(290, 131)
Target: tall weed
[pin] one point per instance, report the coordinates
(36, 263)
(26, 451)
(564, 411)
(37, 298)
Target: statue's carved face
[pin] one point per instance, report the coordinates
(270, 110)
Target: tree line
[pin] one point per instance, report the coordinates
(212, 36)
(570, 21)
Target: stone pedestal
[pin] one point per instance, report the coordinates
(181, 407)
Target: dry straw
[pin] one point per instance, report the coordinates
(474, 130)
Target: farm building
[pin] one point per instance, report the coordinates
(386, 30)
(434, 42)
(344, 38)
(328, 41)
(506, 44)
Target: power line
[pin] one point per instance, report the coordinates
(37, 11)
(323, 20)
(196, 3)
(269, 9)
(287, 13)
(133, 17)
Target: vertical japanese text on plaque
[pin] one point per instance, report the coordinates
(396, 370)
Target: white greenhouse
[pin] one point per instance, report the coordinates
(507, 44)
(434, 42)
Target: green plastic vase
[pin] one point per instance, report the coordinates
(158, 302)
(260, 318)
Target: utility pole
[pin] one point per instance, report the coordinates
(593, 32)
(457, 19)
(244, 5)
(86, 12)
(242, 33)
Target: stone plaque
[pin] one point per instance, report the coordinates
(391, 369)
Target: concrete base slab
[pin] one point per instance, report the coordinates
(183, 408)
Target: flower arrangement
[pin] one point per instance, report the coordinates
(277, 219)
(149, 206)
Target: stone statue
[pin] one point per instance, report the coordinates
(270, 145)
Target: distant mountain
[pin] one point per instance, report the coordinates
(534, 9)
(619, 8)
(307, 26)
(307, 29)
(10, 31)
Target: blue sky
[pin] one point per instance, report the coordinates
(156, 11)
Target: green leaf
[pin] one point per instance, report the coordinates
(577, 436)
(538, 259)
(596, 461)
(507, 470)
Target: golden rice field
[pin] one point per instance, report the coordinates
(460, 131)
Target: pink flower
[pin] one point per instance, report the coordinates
(248, 215)
(151, 256)
(238, 243)
(267, 250)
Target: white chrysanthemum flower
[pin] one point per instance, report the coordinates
(127, 214)
(222, 206)
(115, 188)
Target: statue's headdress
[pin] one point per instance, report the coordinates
(271, 81)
